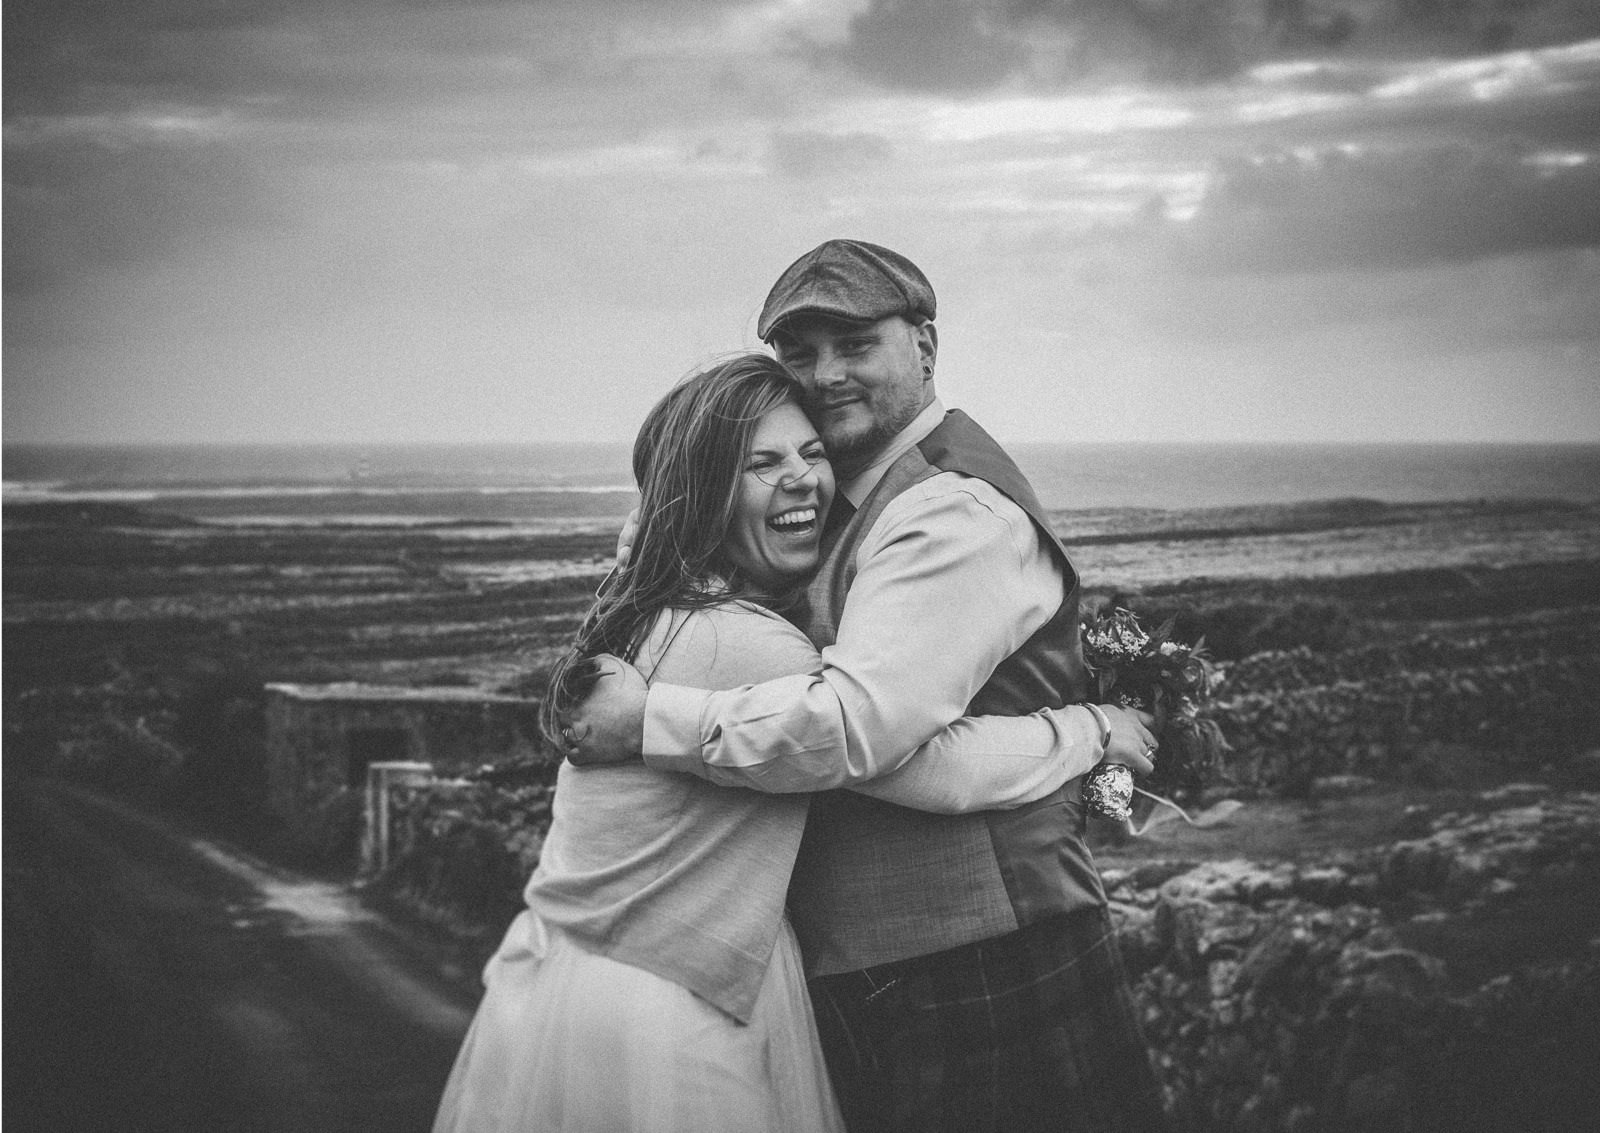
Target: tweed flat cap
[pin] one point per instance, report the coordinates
(847, 279)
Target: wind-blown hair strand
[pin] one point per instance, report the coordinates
(687, 461)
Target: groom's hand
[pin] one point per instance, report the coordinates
(608, 726)
(1132, 743)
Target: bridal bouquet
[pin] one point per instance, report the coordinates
(1149, 671)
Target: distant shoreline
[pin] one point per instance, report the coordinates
(562, 481)
(17, 447)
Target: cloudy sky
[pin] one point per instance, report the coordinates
(368, 220)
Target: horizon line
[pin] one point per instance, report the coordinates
(305, 443)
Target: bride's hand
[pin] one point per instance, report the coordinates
(625, 538)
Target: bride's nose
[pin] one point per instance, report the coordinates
(799, 474)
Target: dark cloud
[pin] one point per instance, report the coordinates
(138, 128)
(1419, 163)
(78, 55)
(957, 46)
(944, 46)
(968, 45)
(114, 120)
(1338, 209)
(85, 204)
(1181, 41)
(931, 45)
(1549, 97)
(66, 55)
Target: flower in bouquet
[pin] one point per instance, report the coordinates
(1150, 671)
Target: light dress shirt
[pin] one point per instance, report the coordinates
(952, 579)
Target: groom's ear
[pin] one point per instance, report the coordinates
(927, 339)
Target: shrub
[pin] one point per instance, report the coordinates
(127, 759)
(1239, 627)
(1428, 712)
(463, 850)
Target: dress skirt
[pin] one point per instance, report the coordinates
(567, 1040)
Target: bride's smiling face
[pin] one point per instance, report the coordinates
(784, 489)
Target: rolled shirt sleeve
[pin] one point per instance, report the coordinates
(992, 762)
(952, 579)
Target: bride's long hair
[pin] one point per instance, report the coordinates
(687, 461)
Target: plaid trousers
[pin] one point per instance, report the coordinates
(1032, 1031)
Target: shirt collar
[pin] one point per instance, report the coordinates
(860, 486)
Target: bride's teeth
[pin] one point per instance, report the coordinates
(792, 518)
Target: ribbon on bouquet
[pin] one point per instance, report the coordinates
(1109, 791)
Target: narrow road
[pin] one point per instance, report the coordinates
(159, 982)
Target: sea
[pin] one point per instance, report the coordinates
(571, 486)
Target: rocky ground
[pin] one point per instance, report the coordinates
(1448, 979)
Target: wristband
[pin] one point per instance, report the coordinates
(1105, 725)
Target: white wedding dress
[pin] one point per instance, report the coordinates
(678, 876)
(567, 1040)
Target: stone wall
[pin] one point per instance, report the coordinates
(322, 738)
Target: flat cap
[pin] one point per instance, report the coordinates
(847, 279)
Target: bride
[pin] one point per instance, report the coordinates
(653, 982)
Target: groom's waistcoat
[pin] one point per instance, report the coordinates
(877, 882)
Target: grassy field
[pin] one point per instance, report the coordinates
(1385, 932)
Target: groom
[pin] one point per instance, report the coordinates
(964, 970)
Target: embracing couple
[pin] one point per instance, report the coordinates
(818, 842)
